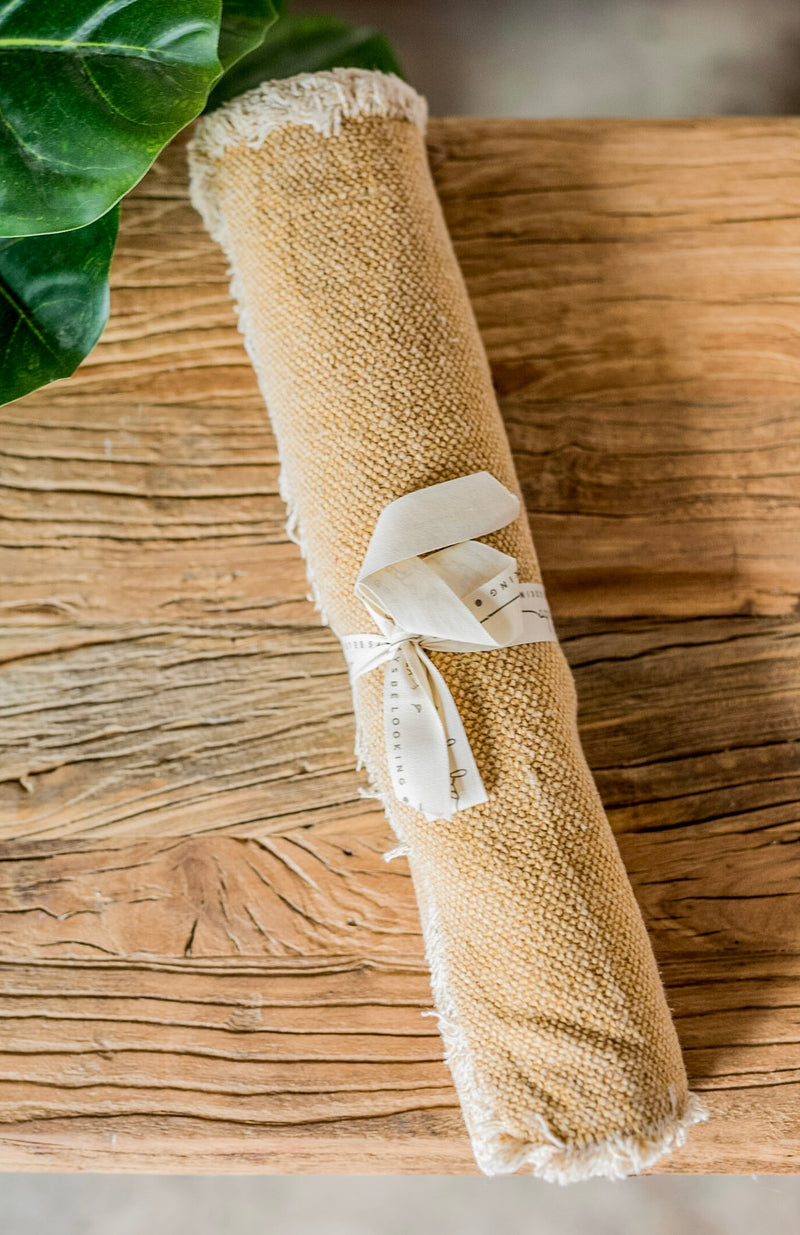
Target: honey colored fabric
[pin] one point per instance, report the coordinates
(355, 314)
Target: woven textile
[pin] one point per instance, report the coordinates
(356, 317)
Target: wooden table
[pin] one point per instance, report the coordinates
(205, 965)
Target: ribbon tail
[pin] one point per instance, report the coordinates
(466, 787)
(430, 760)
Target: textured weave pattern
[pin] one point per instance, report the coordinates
(356, 316)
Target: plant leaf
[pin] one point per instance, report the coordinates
(298, 44)
(90, 91)
(243, 26)
(53, 303)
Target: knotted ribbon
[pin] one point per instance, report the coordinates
(430, 586)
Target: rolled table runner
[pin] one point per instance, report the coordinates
(394, 467)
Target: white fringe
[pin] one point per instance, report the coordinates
(320, 100)
(399, 851)
(617, 1157)
(498, 1153)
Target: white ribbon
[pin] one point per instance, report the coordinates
(461, 596)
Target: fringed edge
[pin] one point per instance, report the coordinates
(551, 1159)
(319, 100)
(617, 1157)
(373, 790)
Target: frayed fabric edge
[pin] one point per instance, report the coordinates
(552, 1159)
(319, 100)
(617, 1157)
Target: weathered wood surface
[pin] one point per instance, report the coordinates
(205, 965)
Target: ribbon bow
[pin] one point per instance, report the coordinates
(428, 585)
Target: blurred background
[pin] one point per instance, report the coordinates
(591, 57)
(507, 58)
(313, 1205)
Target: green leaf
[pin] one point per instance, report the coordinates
(90, 91)
(53, 303)
(306, 45)
(243, 26)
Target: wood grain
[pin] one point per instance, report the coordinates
(205, 963)
(174, 729)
